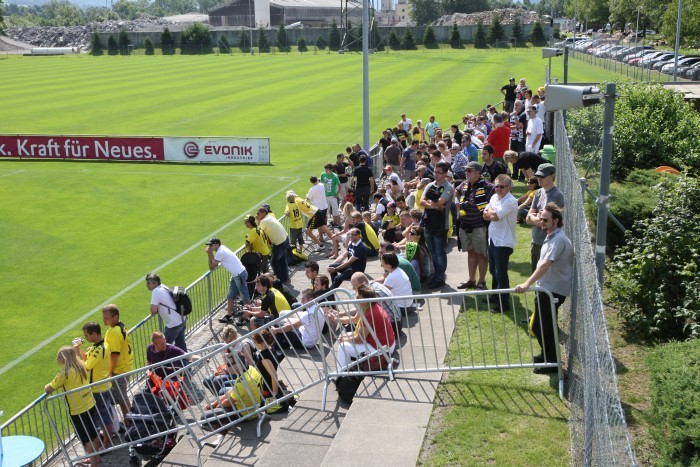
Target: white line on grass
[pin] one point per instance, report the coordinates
(139, 281)
(12, 173)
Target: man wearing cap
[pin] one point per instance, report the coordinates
(163, 304)
(277, 235)
(548, 193)
(535, 130)
(431, 126)
(436, 200)
(492, 167)
(219, 254)
(508, 91)
(408, 162)
(474, 195)
(392, 154)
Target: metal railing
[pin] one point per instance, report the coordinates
(599, 433)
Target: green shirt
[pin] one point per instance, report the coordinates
(406, 266)
(331, 182)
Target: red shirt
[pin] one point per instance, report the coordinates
(379, 321)
(500, 140)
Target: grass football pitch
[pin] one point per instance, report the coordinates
(76, 234)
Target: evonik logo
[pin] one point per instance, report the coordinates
(190, 149)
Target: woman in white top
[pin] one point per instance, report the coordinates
(398, 282)
(502, 211)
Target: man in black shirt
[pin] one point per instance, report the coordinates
(353, 260)
(365, 185)
(491, 168)
(509, 92)
(527, 162)
(341, 169)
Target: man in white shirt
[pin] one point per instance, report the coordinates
(534, 132)
(163, 304)
(405, 123)
(302, 330)
(317, 197)
(219, 254)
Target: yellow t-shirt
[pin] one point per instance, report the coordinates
(79, 401)
(97, 365)
(117, 339)
(249, 383)
(394, 219)
(295, 219)
(257, 242)
(273, 230)
(419, 195)
(281, 303)
(371, 236)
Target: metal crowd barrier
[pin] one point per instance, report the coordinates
(151, 417)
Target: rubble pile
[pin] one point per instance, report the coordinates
(505, 16)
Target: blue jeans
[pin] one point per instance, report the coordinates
(436, 240)
(279, 261)
(176, 335)
(238, 285)
(498, 264)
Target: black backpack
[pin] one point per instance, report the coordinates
(347, 386)
(183, 303)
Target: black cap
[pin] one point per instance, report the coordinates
(214, 241)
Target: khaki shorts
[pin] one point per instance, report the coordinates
(333, 205)
(477, 240)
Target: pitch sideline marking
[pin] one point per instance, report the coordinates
(139, 281)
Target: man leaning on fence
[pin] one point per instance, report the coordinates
(554, 273)
(219, 254)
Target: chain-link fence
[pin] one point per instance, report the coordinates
(599, 434)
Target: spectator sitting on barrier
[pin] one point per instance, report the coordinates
(303, 330)
(81, 404)
(554, 272)
(267, 311)
(353, 260)
(96, 359)
(222, 380)
(255, 242)
(244, 398)
(361, 340)
(525, 201)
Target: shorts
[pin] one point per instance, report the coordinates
(103, 404)
(333, 205)
(84, 425)
(118, 390)
(476, 240)
(259, 322)
(296, 236)
(318, 220)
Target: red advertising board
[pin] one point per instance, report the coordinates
(82, 147)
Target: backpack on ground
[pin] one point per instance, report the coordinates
(295, 256)
(347, 387)
(183, 303)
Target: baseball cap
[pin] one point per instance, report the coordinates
(394, 140)
(474, 165)
(214, 241)
(545, 169)
(511, 79)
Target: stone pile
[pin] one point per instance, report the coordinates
(506, 16)
(79, 36)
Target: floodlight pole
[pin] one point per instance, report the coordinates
(365, 74)
(604, 191)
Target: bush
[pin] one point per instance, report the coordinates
(195, 39)
(429, 41)
(455, 38)
(655, 276)
(167, 43)
(321, 43)
(282, 39)
(376, 41)
(480, 36)
(263, 44)
(675, 385)
(124, 43)
(516, 34)
(653, 127)
(96, 46)
(148, 47)
(496, 32)
(334, 37)
(244, 42)
(301, 45)
(112, 46)
(408, 42)
(223, 44)
(394, 42)
(537, 36)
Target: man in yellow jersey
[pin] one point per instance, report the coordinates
(121, 355)
(97, 360)
(254, 241)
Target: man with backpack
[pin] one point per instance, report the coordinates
(162, 303)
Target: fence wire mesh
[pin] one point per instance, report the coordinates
(599, 434)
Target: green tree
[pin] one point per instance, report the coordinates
(537, 36)
(423, 11)
(263, 43)
(375, 39)
(429, 41)
(321, 42)
(96, 46)
(354, 42)
(394, 41)
(61, 13)
(455, 38)
(2, 20)
(99, 14)
(496, 32)
(408, 42)
(690, 22)
(301, 45)
(516, 34)
(195, 39)
(334, 37)
(148, 47)
(480, 36)
(244, 42)
(167, 43)
(112, 46)
(124, 42)
(282, 39)
(223, 44)
(655, 277)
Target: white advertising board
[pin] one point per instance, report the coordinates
(217, 149)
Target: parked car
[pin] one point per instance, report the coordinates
(651, 56)
(671, 59)
(635, 52)
(570, 41)
(683, 70)
(651, 62)
(691, 70)
(609, 52)
(638, 54)
(668, 68)
(695, 76)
